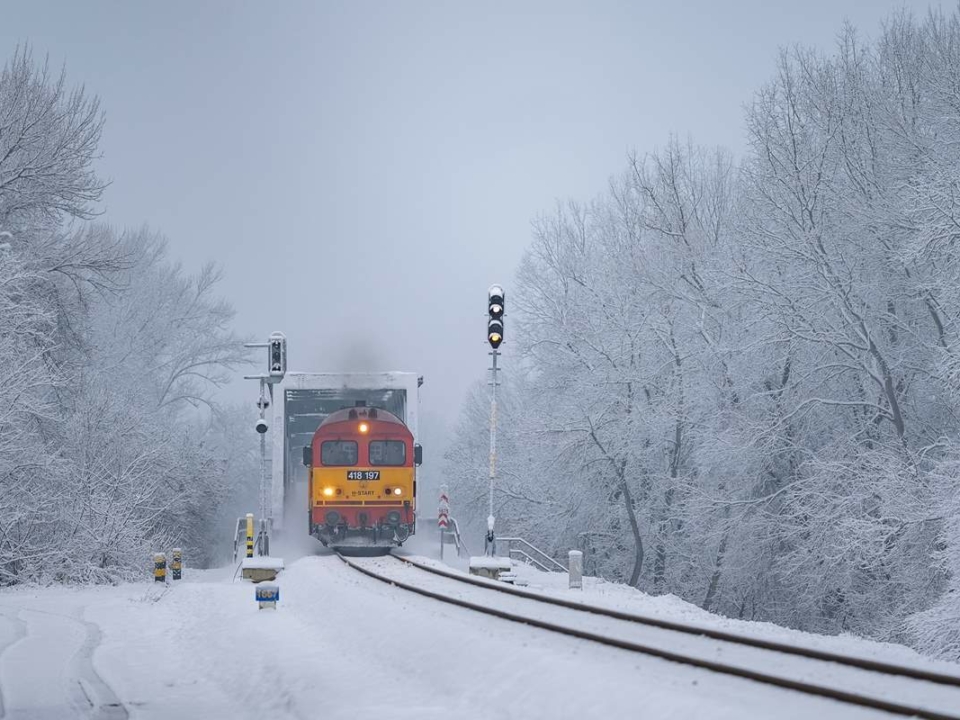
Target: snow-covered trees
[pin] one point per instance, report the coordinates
(749, 372)
(106, 349)
(48, 139)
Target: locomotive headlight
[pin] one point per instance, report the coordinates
(397, 491)
(328, 492)
(363, 427)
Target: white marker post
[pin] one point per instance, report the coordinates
(575, 568)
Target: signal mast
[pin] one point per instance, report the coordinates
(276, 369)
(495, 312)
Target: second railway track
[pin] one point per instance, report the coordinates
(902, 690)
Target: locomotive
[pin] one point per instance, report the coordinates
(362, 489)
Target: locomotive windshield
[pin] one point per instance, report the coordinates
(388, 452)
(338, 452)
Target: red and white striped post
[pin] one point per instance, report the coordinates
(443, 515)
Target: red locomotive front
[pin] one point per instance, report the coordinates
(362, 488)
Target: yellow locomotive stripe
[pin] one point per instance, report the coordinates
(341, 490)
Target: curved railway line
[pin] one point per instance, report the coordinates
(898, 680)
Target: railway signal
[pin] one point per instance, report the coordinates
(495, 312)
(276, 346)
(495, 298)
(278, 356)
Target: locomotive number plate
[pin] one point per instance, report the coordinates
(363, 474)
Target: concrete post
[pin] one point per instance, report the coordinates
(176, 565)
(159, 567)
(575, 568)
(264, 538)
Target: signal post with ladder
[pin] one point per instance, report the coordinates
(495, 312)
(264, 567)
(489, 565)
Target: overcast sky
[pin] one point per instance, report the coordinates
(363, 171)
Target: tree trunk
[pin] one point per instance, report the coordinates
(634, 525)
(717, 573)
(660, 563)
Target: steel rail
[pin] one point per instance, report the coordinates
(798, 685)
(812, 653)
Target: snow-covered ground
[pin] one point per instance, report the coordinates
(342, 645)
(621, 597)
(890, 688)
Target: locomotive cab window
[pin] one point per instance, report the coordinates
(338, 452)
(388, 452)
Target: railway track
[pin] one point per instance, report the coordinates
(902, 690)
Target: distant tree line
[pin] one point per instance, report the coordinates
(738, 381)
(111, 445)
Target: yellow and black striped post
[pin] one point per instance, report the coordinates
(160, 567)
(177, 564)
(249, 535)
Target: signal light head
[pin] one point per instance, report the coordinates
(277, 356)
(495, 333)
(495, 304)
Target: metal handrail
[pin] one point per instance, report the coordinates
(539, 552)
(455, 534)
(533, 561)
(239, 537)
(460, 544)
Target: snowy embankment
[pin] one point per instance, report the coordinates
(340, 645)
(898, 692)
(623, 598)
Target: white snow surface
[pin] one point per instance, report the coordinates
(490, 563)
(621, 597)
(263, 563)
(342, 645)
